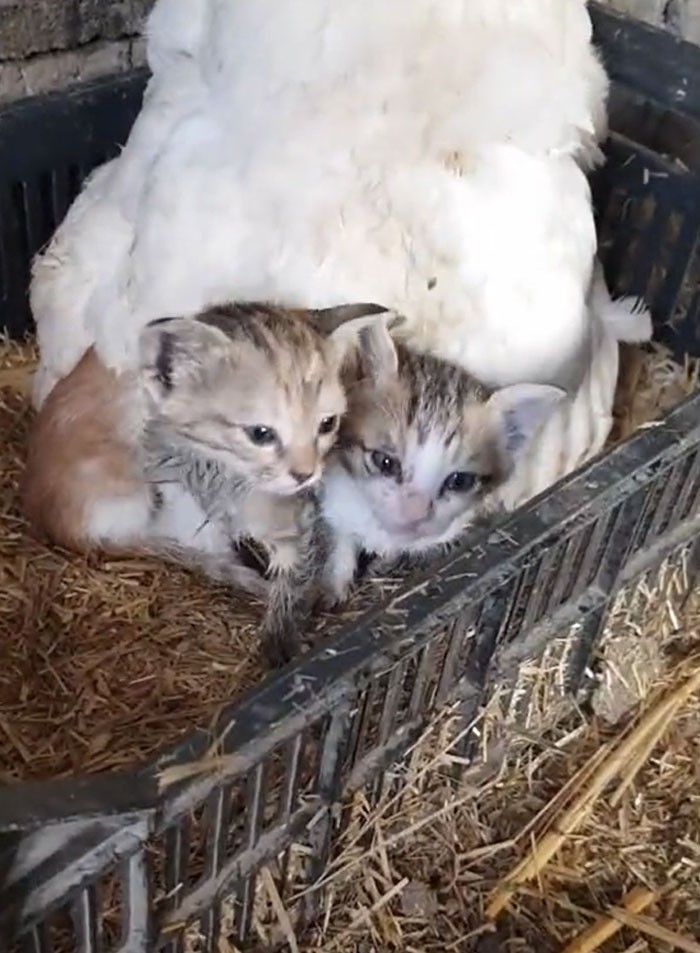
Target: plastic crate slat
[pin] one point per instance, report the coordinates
(651, 496)
(177, 852)
(591, 629)
(694, 504)
(692, 481)
(534, 602)
(329, 786)
(667, 503)
(491, 620)
(554, 582)
(244, 907)
(216, 811)
(592, 552)
(523, 597)
(59, 196)
(439, 651)
(37, 941)
(288, 801)
(15, 265)
(392, 699)
(210, 927)
(573, 554)
(455, 658)
(683, 250)
(540, 589)
(136, 911)
(623, 522)
(255, 806)
(424, 668)
(86, 921)
(359, 726)
(651, 244)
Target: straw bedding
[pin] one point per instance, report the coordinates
(585, 837)
(105, 662)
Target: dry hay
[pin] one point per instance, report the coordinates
(416, 871)
(106, 662)
(585, 838)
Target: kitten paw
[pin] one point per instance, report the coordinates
(334, 595)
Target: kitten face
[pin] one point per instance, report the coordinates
(256, 387)
(426, 444)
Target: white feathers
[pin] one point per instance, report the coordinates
(627, 319)
(425, 156)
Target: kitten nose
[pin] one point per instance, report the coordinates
(416, 506)
(301, 478)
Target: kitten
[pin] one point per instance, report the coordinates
(425, 451)
(422, 454)
(237, 409)
(245, 405)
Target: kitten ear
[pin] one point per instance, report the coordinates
(328, 320)
(172, 351)
(377, 350)
(364, 329)
(518, 411)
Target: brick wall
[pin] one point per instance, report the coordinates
(49, 43)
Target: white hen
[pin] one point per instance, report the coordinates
(424, 155)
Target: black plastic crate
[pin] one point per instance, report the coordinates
(332, 723)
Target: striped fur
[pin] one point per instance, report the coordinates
(434, 421)
(245, 368)
(220, 434)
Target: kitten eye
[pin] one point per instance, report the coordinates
(386, 464)
(460, 482)
(261, 436)
(327, 425)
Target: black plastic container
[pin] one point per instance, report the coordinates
(309, 736)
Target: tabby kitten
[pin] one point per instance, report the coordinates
(244, 405)
(425, 451)
(422, 453)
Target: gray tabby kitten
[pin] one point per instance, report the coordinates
(422, 451)
(425, 451)
(244, 404)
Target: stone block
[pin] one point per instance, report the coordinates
(28, 27)
(105, 21)
(50, 71)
